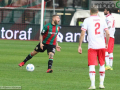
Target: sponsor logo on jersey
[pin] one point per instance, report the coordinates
(52, 33)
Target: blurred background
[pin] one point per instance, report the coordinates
(28, 11)
(22, 14)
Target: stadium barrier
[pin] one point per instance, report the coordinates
(32, 15)
(32, 32)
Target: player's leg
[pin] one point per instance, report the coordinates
(33, 53)
(92, 61)
(101, 59)
(29, 56)
(51, 52)
(102, 76)
(92, 76)
(111, 60)
(111, 53)
(107, 57)
(50, 62)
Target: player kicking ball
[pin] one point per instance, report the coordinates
(48, 41)
(95, 26)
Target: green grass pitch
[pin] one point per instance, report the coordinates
(70, 70)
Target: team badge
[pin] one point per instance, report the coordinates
(36, 48)
(57, 28)
(43, 31)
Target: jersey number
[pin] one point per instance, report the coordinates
(97, 25)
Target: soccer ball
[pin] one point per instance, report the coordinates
(30, 67)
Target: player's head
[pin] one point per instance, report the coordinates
(94, 10)
(55, 19)
(107, 11)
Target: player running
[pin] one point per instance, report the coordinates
(111, 27)
(48, 41)
(95, 26)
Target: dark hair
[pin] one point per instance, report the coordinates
(108, 9)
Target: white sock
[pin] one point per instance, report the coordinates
(107, 58)
(111, 59)
(92, 74)
(102, 74)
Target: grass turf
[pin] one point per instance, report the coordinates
(70, 70)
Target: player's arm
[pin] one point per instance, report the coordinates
(107, 37)
(41, 36)
(80, 41)
(41, 44)
(83, 30)
(57, 46)
(106, 32)
(109, 23)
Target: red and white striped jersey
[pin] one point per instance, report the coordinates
(110, 23)
(95, 27)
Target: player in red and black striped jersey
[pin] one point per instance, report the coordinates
(48, 41)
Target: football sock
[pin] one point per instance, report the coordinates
(92, 74)
(27, 58)
(102, 74)
(111, 59)
(107, 58)
(50, 63)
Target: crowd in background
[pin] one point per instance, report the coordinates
(58, 3)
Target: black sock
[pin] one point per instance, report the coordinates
(27, 58)
(50, 64)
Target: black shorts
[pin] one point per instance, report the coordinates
(50, 48)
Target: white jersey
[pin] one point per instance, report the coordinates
(95, 27)
(111, 23)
